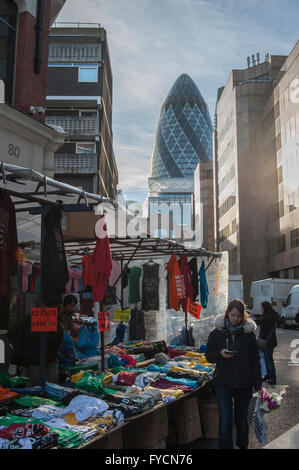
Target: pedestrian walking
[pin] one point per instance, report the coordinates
(232, 346)
(267, 339)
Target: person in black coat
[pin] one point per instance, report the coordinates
(233, 347)
(267, 322)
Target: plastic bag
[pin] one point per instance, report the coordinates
(66, 353)
(259, 422)
(88, 340)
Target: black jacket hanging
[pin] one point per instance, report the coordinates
(194, 277)
(150, 287)
(54, 270)
(136, 326)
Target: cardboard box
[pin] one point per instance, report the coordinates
(113, 440)
(147, 431)
(187, 421)
(209, 413)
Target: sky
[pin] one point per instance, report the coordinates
(152, 42)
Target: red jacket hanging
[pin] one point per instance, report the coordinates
(101, 263)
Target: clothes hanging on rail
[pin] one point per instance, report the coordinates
(136, 325)
(101, 263)
(176, 284)
(87, 270)
(134, 289)
(8, 242)
(150, 287)
(204, 288)
(115, 273)
(187, 279)
(54, 271)
(194, 277)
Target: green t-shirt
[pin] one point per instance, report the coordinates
(134, 291)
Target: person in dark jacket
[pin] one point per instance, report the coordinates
(66, 312)
(233, 347)
(267, 322)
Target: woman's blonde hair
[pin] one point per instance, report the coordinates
(240, 306)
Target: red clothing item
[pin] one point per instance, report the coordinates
(102, 265)
(126, 378)
(176, 284)
(8, 242)
(87, 270)
(187, 279)
(20, 430)
(172, 352)
(130, 361)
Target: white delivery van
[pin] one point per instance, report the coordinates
(289, 315)
(235, 286)
(273, 290)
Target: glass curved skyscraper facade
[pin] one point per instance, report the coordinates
(183, 139)
(184, 132)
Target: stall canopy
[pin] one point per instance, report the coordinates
(30, 189)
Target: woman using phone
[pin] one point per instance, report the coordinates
(232, 346)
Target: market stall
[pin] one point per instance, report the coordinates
(128, 381)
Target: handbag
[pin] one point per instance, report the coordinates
(262, 343)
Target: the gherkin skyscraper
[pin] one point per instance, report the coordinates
(183, 139)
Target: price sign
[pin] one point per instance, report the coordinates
(121, 315)
(43, 319)
(103, 321)
(194, 309)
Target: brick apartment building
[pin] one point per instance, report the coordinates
(79, 99)
(24, 29)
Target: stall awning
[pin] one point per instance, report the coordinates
(127, 249)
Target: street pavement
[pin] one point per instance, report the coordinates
(287, 415)
(284, 418)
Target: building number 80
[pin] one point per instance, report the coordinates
(14, 150)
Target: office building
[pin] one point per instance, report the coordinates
(183, 139)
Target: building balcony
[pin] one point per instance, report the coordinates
(73, 126)
(71, 52)
(76, 164)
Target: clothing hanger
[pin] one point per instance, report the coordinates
(149, 262)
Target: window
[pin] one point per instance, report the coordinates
(295, 238)
(8, 18)
(85, 148)
(276, 245)
(279, 172)
(278, 142)
(288, 300)
(88, 113)
(88, 73)
(296, 272)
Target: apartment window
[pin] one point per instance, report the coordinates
(278, 142)
(295, 238)
(88, 113)
(277, 109)
(276, 245)
(281, 208)
(279, 173)
(296, 272)
(85, 148)
(88, 73)
(8, 19)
